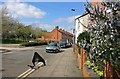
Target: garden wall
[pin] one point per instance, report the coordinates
(81, 57)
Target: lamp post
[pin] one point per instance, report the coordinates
(73, 10)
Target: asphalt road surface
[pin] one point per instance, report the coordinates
(15, 62)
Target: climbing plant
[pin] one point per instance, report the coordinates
(105, 34)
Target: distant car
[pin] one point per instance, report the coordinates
(53, 47)
(31, 41)
(64, 43)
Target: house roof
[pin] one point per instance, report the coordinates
(81, 15)
(65, 32)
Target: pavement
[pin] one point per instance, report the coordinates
(15, 48)
(62, 65)
(8, 47)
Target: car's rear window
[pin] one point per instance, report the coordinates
(53, 44)
(63, 41)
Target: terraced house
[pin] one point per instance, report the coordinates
(57, 34)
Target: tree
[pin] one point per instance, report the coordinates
(13, 29)
(8, 23)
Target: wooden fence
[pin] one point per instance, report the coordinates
(81, 57)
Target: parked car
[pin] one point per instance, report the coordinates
(53, 47)
(31, 41)
(64, 43)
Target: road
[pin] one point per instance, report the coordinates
(15, 62)
(60, 64)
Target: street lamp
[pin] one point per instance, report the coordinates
(73, 10)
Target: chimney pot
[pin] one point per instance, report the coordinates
(57, 27)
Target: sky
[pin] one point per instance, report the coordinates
(46, 15)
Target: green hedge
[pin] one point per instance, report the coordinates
(11, 41)
(34, 43)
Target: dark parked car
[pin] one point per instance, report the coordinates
(53, 47)
(64, 43)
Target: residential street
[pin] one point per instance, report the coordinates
(60, 39)
(62, 64)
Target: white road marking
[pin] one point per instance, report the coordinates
(29, 71)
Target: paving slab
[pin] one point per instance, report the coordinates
(63, 64)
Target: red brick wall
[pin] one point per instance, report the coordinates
(55, 34)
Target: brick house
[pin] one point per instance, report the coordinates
(57, 34)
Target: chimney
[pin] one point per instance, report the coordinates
(57, 27)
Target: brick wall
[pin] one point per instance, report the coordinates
(58, 34)
(55, 34)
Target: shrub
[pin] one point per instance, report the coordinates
(34, 43)
(11, 41)
(96, 69)
(84, 40)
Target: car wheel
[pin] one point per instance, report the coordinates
(57, 50)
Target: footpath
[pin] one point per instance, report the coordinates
(8, 47)
(63, 65)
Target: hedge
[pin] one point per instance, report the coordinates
(34, 43)
(11, 41)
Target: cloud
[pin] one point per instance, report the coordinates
(58, 20)
(49, 27)
(67, 19)
(45, 26)
(13, 0)
(16, 8)
(70, 19)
